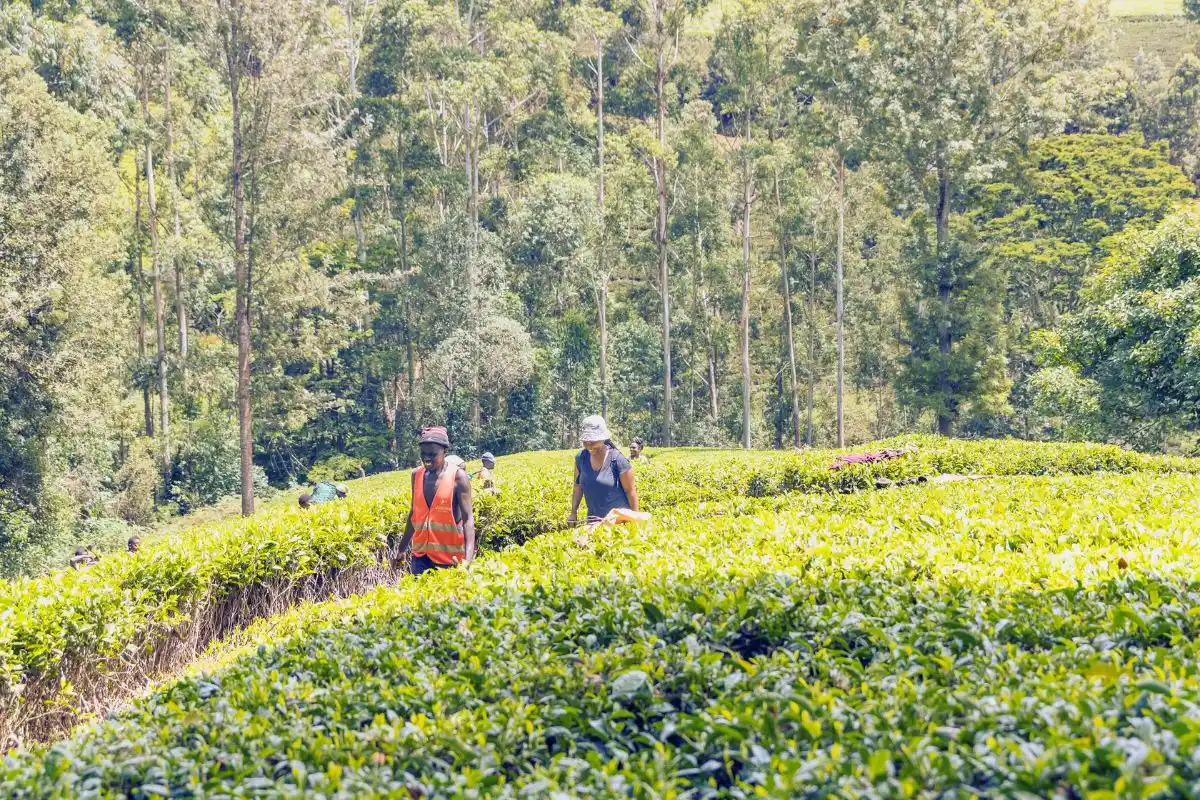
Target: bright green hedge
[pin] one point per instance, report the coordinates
(72, 640)
(71, 628)
(537, 500)
(1023, 637)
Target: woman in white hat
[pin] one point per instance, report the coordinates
(603, 475)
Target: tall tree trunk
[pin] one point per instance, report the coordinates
(398, 183)
(779, 423)
(352, 56)
(712, 383)
(410, 350)
(391, 410)
(812, 340)
(139, 279)
(401, 195)
(160, 326)
(697, 312)
(195, 167)
(841, 338)
(177, 260)
(701, 305)
(472, 156)
(604, 349)
(360, 232)
(660, 168)
(747, 437)
(945, 419)
(602, 266)
(787, 313)
(233, 45)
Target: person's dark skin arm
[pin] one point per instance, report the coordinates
(576, 499)
(462, 488)
(630, 489)
(406, 540)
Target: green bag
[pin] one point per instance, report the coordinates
(324, 492)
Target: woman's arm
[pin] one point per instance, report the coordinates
(576, 497)
(630, 489)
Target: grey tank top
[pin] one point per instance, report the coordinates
(602, 489)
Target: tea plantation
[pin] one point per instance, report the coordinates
(778, 629)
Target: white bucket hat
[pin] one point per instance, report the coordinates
(595, 429)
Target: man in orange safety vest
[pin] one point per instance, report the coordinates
(441, 523)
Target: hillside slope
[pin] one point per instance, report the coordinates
(1020, 636)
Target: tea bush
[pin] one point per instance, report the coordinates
(1016, 637)
(73, 642)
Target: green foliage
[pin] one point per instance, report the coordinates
(1109, 99)
(1047, 218)
(1179, 115)
(23, 539)
(71, 629)
(426, 244)
(136, 484)
(726, 650)
(1048, 221)
(81, 626)
(336, 468)
(207, 467)
(954, 86)
(1069, 402)
(60, 372)
(1135, 333)
(550, 240)
(955, 365)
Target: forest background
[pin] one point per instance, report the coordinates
(250, 243)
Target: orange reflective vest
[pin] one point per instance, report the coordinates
(435, 533)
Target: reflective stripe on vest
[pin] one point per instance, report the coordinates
(435, 534)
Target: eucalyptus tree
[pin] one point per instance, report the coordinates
(654, 42)
(832, 70)
(596, 28)
(269, 53)
(948, 85)
(747, 65)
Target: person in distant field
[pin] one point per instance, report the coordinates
(603, 475)
(306, 501)
(134, 544)
(342, 490)
(323, 492)
(441, 521)
(637, 450)
(486, 478)
(84, 558)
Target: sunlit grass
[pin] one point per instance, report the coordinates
(1145, 8)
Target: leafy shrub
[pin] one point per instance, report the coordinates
(104, 534)
(35, 539)
(18, 532)
(74, 628)
(137, 483)
(208, 466)
(337, 467)
(905, 643)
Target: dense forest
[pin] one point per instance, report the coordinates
(250, 243)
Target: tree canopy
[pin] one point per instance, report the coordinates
(246, 244)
